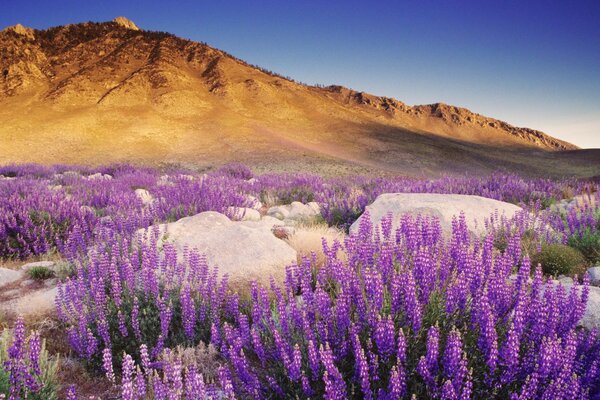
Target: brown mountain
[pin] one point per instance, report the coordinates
(111, 92)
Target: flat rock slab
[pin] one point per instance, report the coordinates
(245, 250)
(8, 276)
(442, 206)
(45, 264)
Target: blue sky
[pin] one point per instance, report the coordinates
(530, 63)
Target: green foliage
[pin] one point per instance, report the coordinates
(64, 270)
(303, 194)
(344, 218)
(547, 202)
(559, 259)
(48, 366)
(40, 273)
(588, 243)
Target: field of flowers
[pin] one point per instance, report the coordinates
(410, 313)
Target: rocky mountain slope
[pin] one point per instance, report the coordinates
(111, 92)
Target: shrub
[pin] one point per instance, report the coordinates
(559, 259)
(26, 370)
(40, 273)
(588, 243)
(236, 170)
(119, 299)
(411, 315)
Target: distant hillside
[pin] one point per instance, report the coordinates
(110, 92)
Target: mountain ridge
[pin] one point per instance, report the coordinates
(71, 76)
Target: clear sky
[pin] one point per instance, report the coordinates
(530, 63)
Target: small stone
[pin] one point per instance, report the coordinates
(144, 196)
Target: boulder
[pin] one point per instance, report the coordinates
(8, 276)
(243, 214)
(295, 211)
(591, 318)
(442, 206)
(594, 273)
(245, 250)
(144, 196)
(279, 212)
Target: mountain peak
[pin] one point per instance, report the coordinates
(126, 23)
(20, 30)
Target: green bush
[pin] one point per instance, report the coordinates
(588, 244)
(560, 259)
(40, 273)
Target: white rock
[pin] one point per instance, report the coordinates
(99, 175)
(443, 206)
(38, 302)
(45, 264)
(296, 211)
(243, 214)
(245, 250)
(266, 221)
(252, 180)
(9, 276)
(279, 212)
(144, 196)
(591, 318)
(253, 202)
(594, 273)
(315, 207)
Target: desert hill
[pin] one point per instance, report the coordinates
(112, 92)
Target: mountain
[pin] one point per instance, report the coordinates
(111, 92)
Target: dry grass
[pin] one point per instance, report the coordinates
(205, 359)
(308, 239)
(16, 264)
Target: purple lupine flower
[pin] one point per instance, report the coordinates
(335, 387)
(362, 368)
(188, 312)
(448, 392)
(397, 384)
(385, 337)
(226, 385)
(35, 347)
(428, 365)
(71, 393)
(107, 364)
(127, 383)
